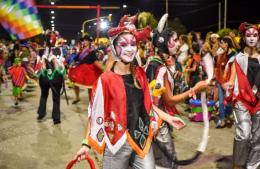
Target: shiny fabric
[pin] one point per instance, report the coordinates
(126, 157)
(246, 95)
(164, 144)
(240, 153)
(254, 155)
(84, 74)
(242, 136)
(242, 122)
(247, 138)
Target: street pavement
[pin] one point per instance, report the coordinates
(28, 144)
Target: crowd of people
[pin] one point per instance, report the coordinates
(134, 77)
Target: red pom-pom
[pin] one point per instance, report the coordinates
(123, 20)
(115, 31)
(242, 27)
(142, 34)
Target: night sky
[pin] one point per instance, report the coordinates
(196, 15)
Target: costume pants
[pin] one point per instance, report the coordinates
(254, 155)
(247, 138)
(126, 157)
(164, 144)
(55, 85)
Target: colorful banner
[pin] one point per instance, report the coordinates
(20, 19)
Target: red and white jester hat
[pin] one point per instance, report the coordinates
(127, 24)
(245, 26)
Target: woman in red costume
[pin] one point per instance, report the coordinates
(161, 72)
(86, 69)
(244, 87)
(122, 119)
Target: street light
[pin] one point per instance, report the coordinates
(109, 17)
(124, 6)
(52, 3)
(52, 21)
(53, 17)
(103, 25)
(52, 12)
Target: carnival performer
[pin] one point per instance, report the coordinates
(32, 59)
(69, 62)
(182, 58)
(244, 86)
(161, 74)
(50, 71)
(19, 75)
(193, 65)
(2, 69)
(122, 119)
(86, 69)
(72, 56)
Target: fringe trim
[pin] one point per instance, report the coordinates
(93, 144)
(136, 148)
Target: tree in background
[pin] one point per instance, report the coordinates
(224, 32)
(177, 25)
(147, 19)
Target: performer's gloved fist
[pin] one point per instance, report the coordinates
(152, 84)
(158, 90)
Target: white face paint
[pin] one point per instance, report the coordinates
(173, 44)
(126, 47)
(251, 37)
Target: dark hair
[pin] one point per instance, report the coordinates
(160, 40)
(242, 44)
(184, 38)
(132, 70)
(86, 37)
(229, 41)
(195, 47)
(194, 37)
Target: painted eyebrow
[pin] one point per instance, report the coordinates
(122, 39)
(251, 31)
